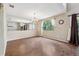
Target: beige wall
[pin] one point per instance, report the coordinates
(38, 28)
(60, 32)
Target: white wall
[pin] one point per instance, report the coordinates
(2, 31)
(73, 8)
(14, 35)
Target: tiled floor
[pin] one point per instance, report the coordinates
(39, 46)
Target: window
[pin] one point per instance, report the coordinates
(48, 25)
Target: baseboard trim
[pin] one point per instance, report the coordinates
(55, 40)
(22, 38)
(39, 36)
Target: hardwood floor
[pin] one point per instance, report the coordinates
(38, 46)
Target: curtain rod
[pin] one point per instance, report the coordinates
(75, 13)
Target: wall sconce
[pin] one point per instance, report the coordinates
(61, 21)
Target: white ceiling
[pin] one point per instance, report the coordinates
(41, 10)
(73, 8)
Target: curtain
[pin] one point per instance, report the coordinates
(74, 31)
